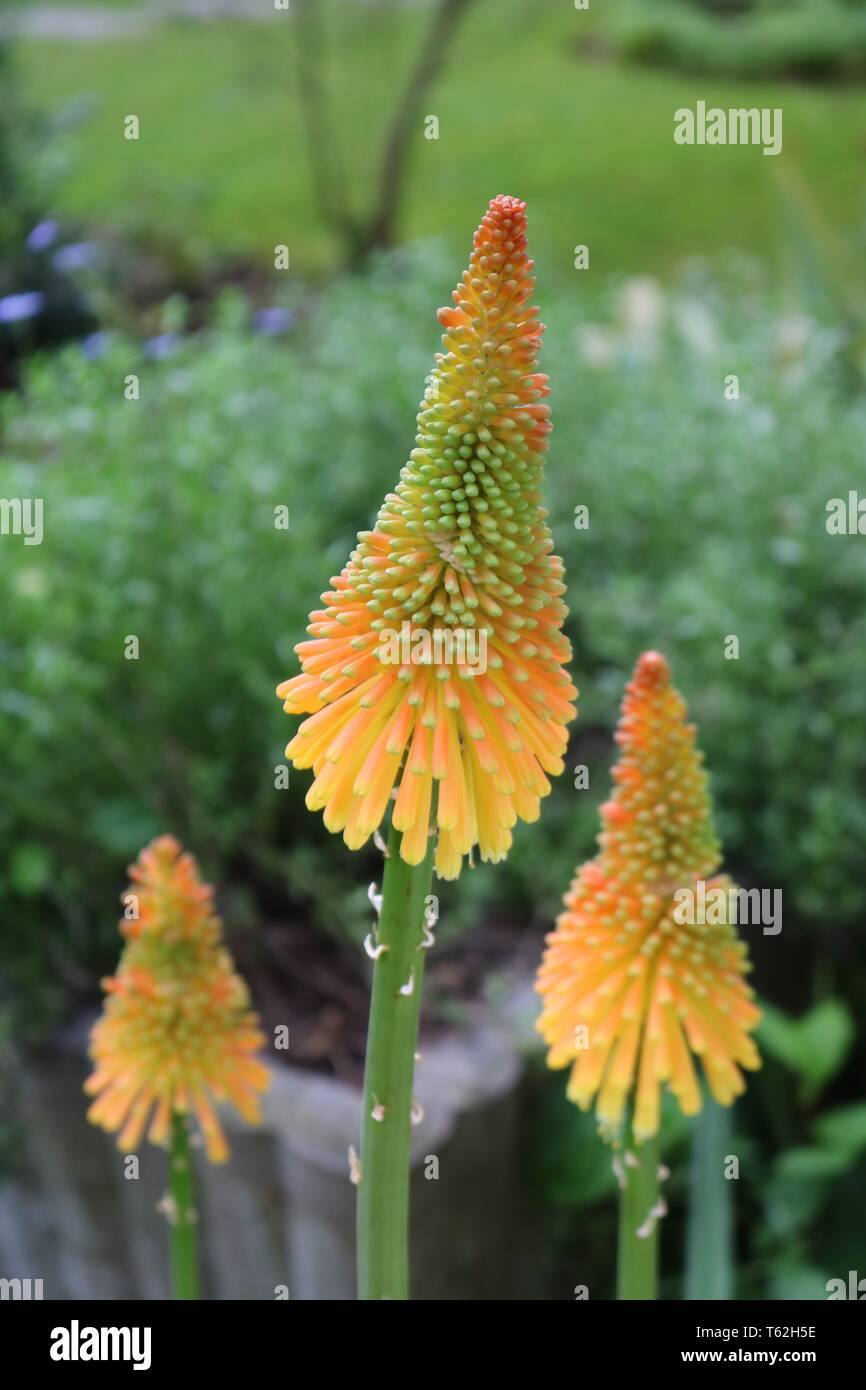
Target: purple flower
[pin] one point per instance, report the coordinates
(273, 320)
(16, 307)
(94, 345)
(163, 345)
(44, 234)
(78, 256)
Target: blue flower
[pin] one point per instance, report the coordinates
(163, 345)
(44, 234)
(94, 345)
(78, 256)
(14, 308)
(273, 320)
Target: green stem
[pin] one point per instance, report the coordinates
(709, 1233)
(637, 1272)
(383, 1190)
(182, 1216)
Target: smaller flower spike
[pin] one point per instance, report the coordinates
(630, 989)
(439, 655)
(177, 1030)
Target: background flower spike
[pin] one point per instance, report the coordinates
(177, 1032)
(632, 989)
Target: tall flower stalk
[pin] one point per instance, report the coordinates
(182, 1211)
(434, 677)
(383, 1193)
(175, 1035)
(639, 975)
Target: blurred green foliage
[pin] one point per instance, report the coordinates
(21, 168)
(803, 39)
(809, 1223)
(707, 518)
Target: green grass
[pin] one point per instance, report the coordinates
(221, 163)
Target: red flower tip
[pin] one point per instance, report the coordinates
(504, 220)
(652, 669)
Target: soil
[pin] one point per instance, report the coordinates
(320, 989)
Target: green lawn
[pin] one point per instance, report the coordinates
(221, 162)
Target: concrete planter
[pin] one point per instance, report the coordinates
(282, 1212)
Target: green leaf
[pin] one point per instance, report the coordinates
(814, 1046)
(573, 1166)
(843, 1129)
(121, 826)
(796, 1191)
(798, 1282)
(29, 869)
(809, 1164)
(709, 1234)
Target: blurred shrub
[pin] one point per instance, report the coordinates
(707, 518)
(806, 1167)
(41, 301)
(15, 190)
(802, 39)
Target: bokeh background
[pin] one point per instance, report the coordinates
(307, 128)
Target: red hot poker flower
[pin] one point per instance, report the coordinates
(438, 656)
(630, 989)
(177, 1030)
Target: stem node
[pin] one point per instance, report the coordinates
(640, 1211)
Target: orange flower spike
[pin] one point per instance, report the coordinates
(630, 989)
(448, 616)
(176, 1026)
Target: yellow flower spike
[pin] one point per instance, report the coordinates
(439, 653)
(633, 982)
(176, 1030)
